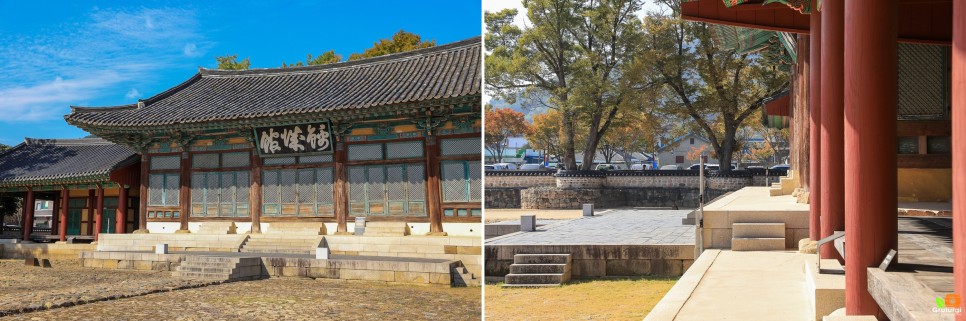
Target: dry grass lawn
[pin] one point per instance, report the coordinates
(496, 215)
(625, 299)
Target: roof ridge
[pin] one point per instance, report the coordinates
(399, 56)
(87, 141)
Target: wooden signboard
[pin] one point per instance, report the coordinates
(312, 138)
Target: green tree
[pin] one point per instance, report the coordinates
(4, 147)
(230, 62)
(692, 78)
(328, 57)
(9, 206)
(573, 57)
(402, 41)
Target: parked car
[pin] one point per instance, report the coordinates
(783, 167)
(504, 167)
(609, 167)
(670, 167)
(489, 167)
(640, 167)
(532, 167)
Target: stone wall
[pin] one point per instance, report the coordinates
(502, 197)
(463, 249)
(600, 260)
(498, 181)
(557, 198)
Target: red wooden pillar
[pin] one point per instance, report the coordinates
(62, 228)
(870, 139)
(184, 197)
(91, 203)
(28, 215)
(55, 216)
(959, 148)
(121, 216)
(833, 141)
(255, 193)
(143, 196)
(814, 126)
(434, 197)
(341, 187)
(98, 211)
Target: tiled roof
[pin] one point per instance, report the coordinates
(61, 159)
(441, 72)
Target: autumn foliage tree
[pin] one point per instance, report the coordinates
(501, 124)
(402, 41)
(230, 62)
(544, 134)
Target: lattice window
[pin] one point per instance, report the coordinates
(357, 190)
(198, 195)
(172, 189)
(156, 190)
(279, 160)
(220, 194)
(923, 81)
(240, 159)
(165, 162)
(416, 186)
(454, 181)
(305, 192)
(460, 146)
(204, 161)
(365, 152)
(475, 181)
(315, 159)
(396, 190)
(376, 190)
(408, 149)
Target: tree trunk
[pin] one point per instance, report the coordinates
(567, 144)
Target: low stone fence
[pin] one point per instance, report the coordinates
(457, 248)
(600, 260)
(609, 189)
(43, 250)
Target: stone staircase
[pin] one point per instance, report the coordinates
(278, 243)
(386, 229)
(785, 186)
(462, 277)
(539, 270)
(757, 236)
(219, 268)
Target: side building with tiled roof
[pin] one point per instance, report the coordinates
(93, 184)
(392, 138)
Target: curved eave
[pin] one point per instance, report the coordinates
(99, 177)
(343, 112)
(925, 22)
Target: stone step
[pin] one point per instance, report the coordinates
(212, 259)
(758, 244)
(217, 270)
(541, 259)
(278, 250)
(201, 275)
(530, 285)
(283, 243)
(207, 265)
(539, 268)
(758, 230)
(386, 229)
(278, 247)
(537, 278)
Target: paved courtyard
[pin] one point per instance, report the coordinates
(623, 226)
(270, 299)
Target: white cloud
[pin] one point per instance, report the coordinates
(50, 99)
(108, 47)
(191, 50)
(132, 94)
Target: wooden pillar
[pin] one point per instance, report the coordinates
(121, 216)
(341, 187)
(62, 228)
(143, 196)
(91, 202)
(255, 193)
(870, 139)
(814, 126)
(55, 215)
(833, 141)
(959, 148)
(98, 211)
(434, 198)
(28, 214)
(184, 196)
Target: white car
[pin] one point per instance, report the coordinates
(504, 167)
(532, 167)
(670, 167)
(641, 167)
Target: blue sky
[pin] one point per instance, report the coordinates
(56, 54)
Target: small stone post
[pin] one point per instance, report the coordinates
(588, 209)
(528, 223)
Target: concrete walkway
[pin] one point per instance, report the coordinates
(726, 285)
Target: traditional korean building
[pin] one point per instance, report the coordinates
(92, 182)
(392, 138)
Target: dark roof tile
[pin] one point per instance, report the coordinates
(54, 159)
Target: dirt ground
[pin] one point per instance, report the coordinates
(625, 299)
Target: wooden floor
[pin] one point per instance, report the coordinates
(926, 251)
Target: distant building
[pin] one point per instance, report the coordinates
(676, 152)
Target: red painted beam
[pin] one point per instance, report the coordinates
(98, 211)
(833, 141)
(62, 228)
(959, 149)
(121, 213)
(815, 128)
(28, 215)
(870, 139)
(919, 21)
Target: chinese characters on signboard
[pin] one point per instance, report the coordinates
(294, 139)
